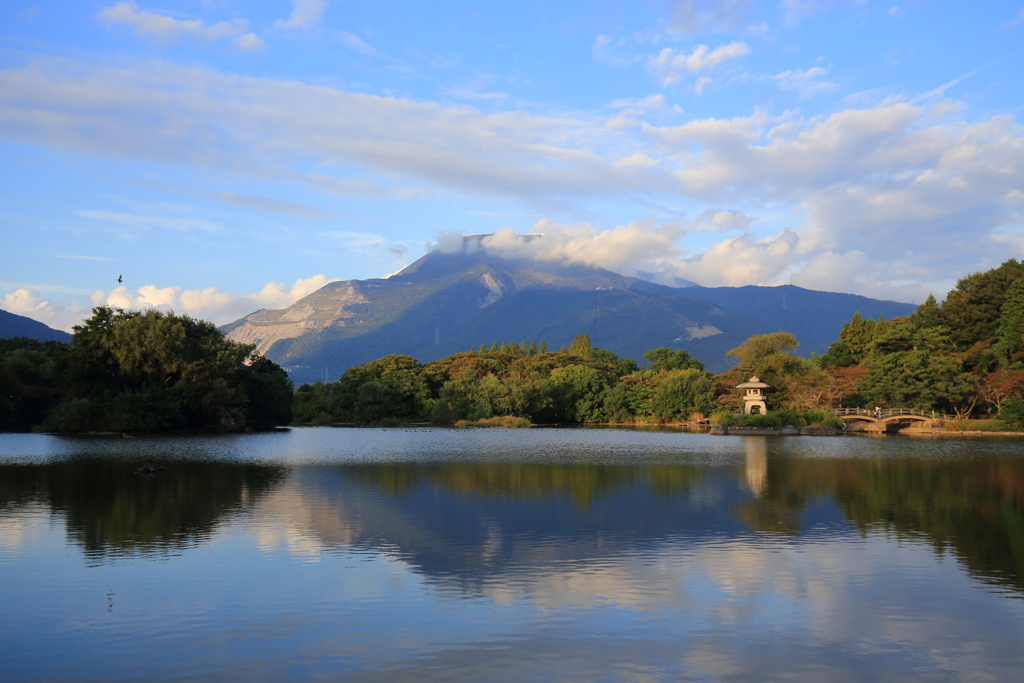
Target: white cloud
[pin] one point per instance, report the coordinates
(743, 260)
(26, 302)
(624, 248)
(875, 180)
(249, 42)
(305, 14)
(270, 128)
(805, 81)
(148, 222)
(208, 304)
(165, 29)
(717, 220)
(449, 242)
(656, 101)
(356, 44)
(671, 65)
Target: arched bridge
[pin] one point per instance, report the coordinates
(888, 416)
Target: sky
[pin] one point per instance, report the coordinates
(222, 156)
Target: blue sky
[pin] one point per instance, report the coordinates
(225, 156)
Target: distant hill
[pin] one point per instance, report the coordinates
(445, 303)
(13, 325)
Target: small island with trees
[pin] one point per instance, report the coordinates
(158, 372)
(138, 372)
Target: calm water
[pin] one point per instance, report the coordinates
(543, 554)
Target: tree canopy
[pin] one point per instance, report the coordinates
(150, 371)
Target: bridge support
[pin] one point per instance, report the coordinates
(872, 427)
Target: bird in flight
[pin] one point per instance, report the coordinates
(119, 279)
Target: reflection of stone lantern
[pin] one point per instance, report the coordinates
(753, 396)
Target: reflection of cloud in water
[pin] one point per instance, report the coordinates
(753, 610)
(304, 527)
(676, 580)
(24, 525)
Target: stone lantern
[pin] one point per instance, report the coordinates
(753, 396)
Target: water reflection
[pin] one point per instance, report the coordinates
(457, 518)
(111, 510)
(432, 555)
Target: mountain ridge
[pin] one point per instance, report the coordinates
(444, 303)
(14, 325)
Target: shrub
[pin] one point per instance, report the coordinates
(322, 419)
(822, 419)
(1012, 414)
(721, 417)
(977, 426)
(508, 421)
(770, 420)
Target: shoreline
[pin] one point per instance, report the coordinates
(718, 430)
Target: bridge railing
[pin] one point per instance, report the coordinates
(884, 413)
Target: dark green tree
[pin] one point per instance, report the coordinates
(664, 358)
(853, 345)
(972, 310)
(154, 371)
(391, 387)
(1009, 345)
(30, 380)
(312, 404)
(915, 367)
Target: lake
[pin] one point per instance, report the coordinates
(511, 555)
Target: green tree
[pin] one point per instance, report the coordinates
(972, 310)
(679, 393)
(576, 394)
(664, 358)
(915, 367)
(1009, 345)
(928, 314)
(29, 375)
(580, 346)
(130, 371)
(854, 343)
(393, 386)
(312, 404)
(1012, 414)
(768, 357)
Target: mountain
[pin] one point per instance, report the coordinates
(13, 325)
(450, 302)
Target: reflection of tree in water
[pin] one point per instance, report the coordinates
(581, 483)
(973, 509)
(111, 510)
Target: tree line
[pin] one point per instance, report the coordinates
(577, 384)
(131, 371)
(965, 358)
(154, 371)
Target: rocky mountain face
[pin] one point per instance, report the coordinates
(445, 303)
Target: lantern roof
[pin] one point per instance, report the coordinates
(753, 383)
